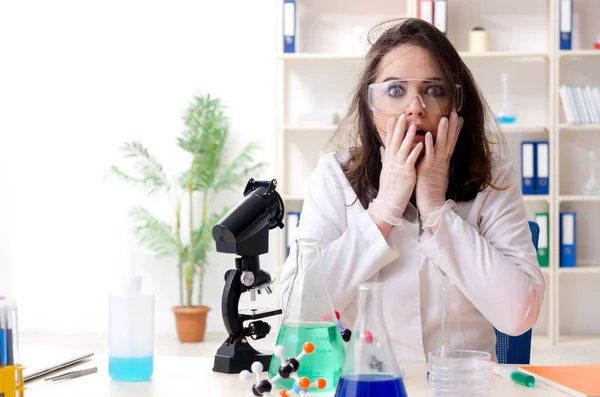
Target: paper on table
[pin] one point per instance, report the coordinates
(576, 380)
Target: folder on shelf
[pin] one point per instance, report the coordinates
(567, 239)
(425, 10)
(292, 220)
(576, 380)
(289, 26)
(528, 165)
(541, 218)
(440, 15)
(565, 15)
(542, 170)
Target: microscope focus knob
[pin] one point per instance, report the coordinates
(247, 278)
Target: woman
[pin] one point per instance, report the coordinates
(423, 195)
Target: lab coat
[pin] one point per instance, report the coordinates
(483, 245)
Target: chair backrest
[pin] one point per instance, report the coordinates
(516, 349)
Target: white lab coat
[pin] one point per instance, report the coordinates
(483, 245)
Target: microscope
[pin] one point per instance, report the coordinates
(244, 231)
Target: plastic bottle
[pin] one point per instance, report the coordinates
(592, 187)
(131, 330)
(506, 115)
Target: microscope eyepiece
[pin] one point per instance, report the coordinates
(244, 229)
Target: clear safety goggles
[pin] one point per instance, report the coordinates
(395, 96)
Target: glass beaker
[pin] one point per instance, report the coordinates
(464, 373)
(309, 317)
(370, 368)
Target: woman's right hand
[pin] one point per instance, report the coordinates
(398, 174)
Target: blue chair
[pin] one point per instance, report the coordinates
(516, 349)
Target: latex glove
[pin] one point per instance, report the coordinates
(398, 174)
(432, 171)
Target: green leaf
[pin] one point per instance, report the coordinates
(205, 138)
(240, 169)
(203, 239)
(155, 234)
(150, 173)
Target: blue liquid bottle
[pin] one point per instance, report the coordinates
(370, 368)
(506, 115)
(131, 331)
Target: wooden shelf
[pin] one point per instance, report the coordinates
(533, 198)
(578, 198)
(464, 54)
(503, 54)
(523, 128)
(579, 53)
(506, 128)
(580, 269)
(579, 127)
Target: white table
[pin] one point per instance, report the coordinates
(185, 376)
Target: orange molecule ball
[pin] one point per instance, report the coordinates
(304, 382)
(283, 393)
(321, 383)
(308, 348)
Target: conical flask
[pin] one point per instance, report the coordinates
(370, 368)
(309, 317)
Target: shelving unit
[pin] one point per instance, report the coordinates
(320, 76)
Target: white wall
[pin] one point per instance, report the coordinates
(79, 78)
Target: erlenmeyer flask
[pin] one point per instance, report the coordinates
(309, 317)
(370, 368)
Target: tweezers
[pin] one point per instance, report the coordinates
(73, 374)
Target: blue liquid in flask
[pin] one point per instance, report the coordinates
(131, 369)
(371, 385)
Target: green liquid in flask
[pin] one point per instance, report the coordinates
(325, 362)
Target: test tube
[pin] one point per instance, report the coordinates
(3, 350)
(12, 333)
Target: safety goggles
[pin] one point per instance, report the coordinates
(395, 96)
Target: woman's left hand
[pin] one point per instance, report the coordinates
(432, 171)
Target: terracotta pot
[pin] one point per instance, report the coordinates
(191, 323)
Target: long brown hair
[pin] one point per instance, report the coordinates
(470, 164)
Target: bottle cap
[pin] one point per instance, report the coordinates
(132, 281)
(523, 379)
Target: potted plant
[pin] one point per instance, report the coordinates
(204, 139)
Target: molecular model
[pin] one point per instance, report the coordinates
(346, 333)
(287, 369)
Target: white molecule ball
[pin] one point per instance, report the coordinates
(279, 351)
(245, 376)
(257, 367)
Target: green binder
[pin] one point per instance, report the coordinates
(541, 218)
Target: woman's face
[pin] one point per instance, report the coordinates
(413, 85)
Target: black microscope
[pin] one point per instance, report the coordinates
(244, 231)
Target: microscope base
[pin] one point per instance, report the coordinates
(233, 358)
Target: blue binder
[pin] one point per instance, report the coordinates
(528, 167)
(542, 168)
(567, 239)
(292, 221)
(289, 26)
(565, 19)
